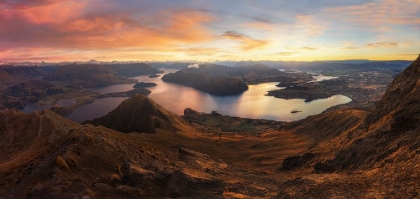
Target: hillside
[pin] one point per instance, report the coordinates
(89, 75)
(216, 85)
(10, 75)
(47, 156)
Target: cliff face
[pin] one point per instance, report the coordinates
(139, 114)
(216, 85)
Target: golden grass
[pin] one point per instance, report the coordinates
(60, 162)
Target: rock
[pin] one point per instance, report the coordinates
(187, 181)
(135, 175)
(190, 112)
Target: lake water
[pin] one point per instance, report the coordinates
(251, 104)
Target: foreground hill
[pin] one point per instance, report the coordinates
(216, 85)
(139, 114)
(48, 156)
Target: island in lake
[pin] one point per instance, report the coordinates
(144, 85)
(215, 85)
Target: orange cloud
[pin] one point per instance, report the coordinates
(381, 45)
(379, 14)
(309, 25)
(64, 27)
(351, 48)
(247, 43)
(200, 51)
(287, 53)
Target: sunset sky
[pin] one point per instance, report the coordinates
(204, 30)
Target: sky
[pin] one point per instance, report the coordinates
(204, 30)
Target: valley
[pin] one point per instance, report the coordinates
(142, 149)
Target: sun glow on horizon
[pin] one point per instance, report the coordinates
(54, 31)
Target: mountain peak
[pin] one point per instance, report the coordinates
(139, 114)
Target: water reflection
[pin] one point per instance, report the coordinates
(251, 104)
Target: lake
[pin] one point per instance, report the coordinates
(251, 104)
